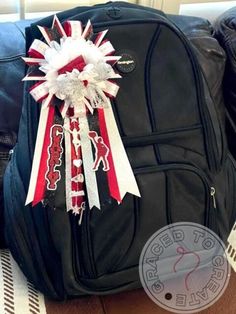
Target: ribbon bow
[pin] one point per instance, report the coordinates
(74, 72)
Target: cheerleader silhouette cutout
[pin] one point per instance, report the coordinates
(101, 151)
(75, 133)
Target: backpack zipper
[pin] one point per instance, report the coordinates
(213, 192)
(210, 190)
(156, 137)
(204, 112)
(90, 264)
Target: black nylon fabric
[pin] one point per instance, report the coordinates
(174, 138)
(225, 33)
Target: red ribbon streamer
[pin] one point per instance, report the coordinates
(41, 180)
(75, 171)
(111, 173)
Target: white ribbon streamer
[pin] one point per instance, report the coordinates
(37, 152)
(87, 156)
(124, 173)
(67, 163)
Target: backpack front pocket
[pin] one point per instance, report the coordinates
(169, 193)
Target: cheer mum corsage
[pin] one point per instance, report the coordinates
(73, 70)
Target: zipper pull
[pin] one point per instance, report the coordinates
(11, 151)
(213, 193)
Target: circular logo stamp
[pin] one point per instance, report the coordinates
(114, 12)
(126, 63)
(183, 267)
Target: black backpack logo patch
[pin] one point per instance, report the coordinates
(127, 63)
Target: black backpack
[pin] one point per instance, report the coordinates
(225, 34)
(11, 50)
(175, 141)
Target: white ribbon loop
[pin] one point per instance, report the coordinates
(56, 24)
(39, 91)
(32, 61)
(106, 48)
(87, 30)
(87, 155)
(74, 29)
(39, 48)
(100, 37)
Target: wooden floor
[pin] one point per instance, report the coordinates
(136, 302)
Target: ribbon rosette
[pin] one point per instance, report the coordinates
(74, 73)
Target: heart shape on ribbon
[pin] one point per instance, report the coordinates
(77, 162)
